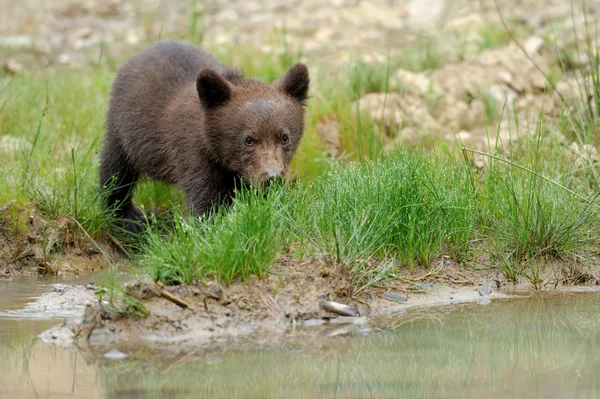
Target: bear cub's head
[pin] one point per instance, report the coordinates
(253, 129)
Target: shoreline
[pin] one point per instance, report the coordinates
(248, 313)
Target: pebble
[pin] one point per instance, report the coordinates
(395, 297)
(17, 42)
(484, 290)
(533, 45)
(13, 66)
(115, 355)
(64, 58)
(215, 292)
(339, 308)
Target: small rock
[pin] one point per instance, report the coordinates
(464, 136)
(324, 34)
(411, 82)
(64, 59)
(115, 355)
(82, 33)
(215, 292)
(533, 45)
(377, 15)
(472, 23)
(132, 37)
(339, 308)
(329, 131)
(13, 66)
(484, 290)
(579, 60)
(42, 47)
(584, 154)
(109, 8)
(17, 42)
(395, 297)
(422, 13)
(392, 110)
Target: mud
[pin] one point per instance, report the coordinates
(31, 244)
(286, 305)
(63, 301)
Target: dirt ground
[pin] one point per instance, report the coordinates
(31, 245)
(294, 300)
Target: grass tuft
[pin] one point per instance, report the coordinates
(236, 241)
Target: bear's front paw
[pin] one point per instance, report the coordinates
(132, 220)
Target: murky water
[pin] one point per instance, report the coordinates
(542, 346)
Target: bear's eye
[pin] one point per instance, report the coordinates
(248, 140)
(285, 138)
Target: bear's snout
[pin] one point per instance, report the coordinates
(269, 165)
(273, 175)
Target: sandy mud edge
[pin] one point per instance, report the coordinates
(286, 305)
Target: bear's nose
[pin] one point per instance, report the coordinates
(272, 175)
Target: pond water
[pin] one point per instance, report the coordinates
(541, 346)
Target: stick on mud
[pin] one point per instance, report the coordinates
(170, 297)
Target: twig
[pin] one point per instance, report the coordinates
(170, 297)
(459, 281)
(532, 172)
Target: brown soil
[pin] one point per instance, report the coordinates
(31, 244)
(289, 300)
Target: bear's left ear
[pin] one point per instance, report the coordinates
(295, 82)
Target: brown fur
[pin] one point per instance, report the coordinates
(179, 116)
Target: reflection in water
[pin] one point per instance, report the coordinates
(544, 346)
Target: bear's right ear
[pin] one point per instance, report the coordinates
(213, 89)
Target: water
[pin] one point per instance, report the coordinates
(542, 346)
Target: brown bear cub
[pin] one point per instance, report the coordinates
(179, 116)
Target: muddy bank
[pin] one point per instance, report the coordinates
(296, 298)
(32, 244)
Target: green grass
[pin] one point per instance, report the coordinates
(379, 217)
(394, 206)
(493, 36)
(236, 241)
